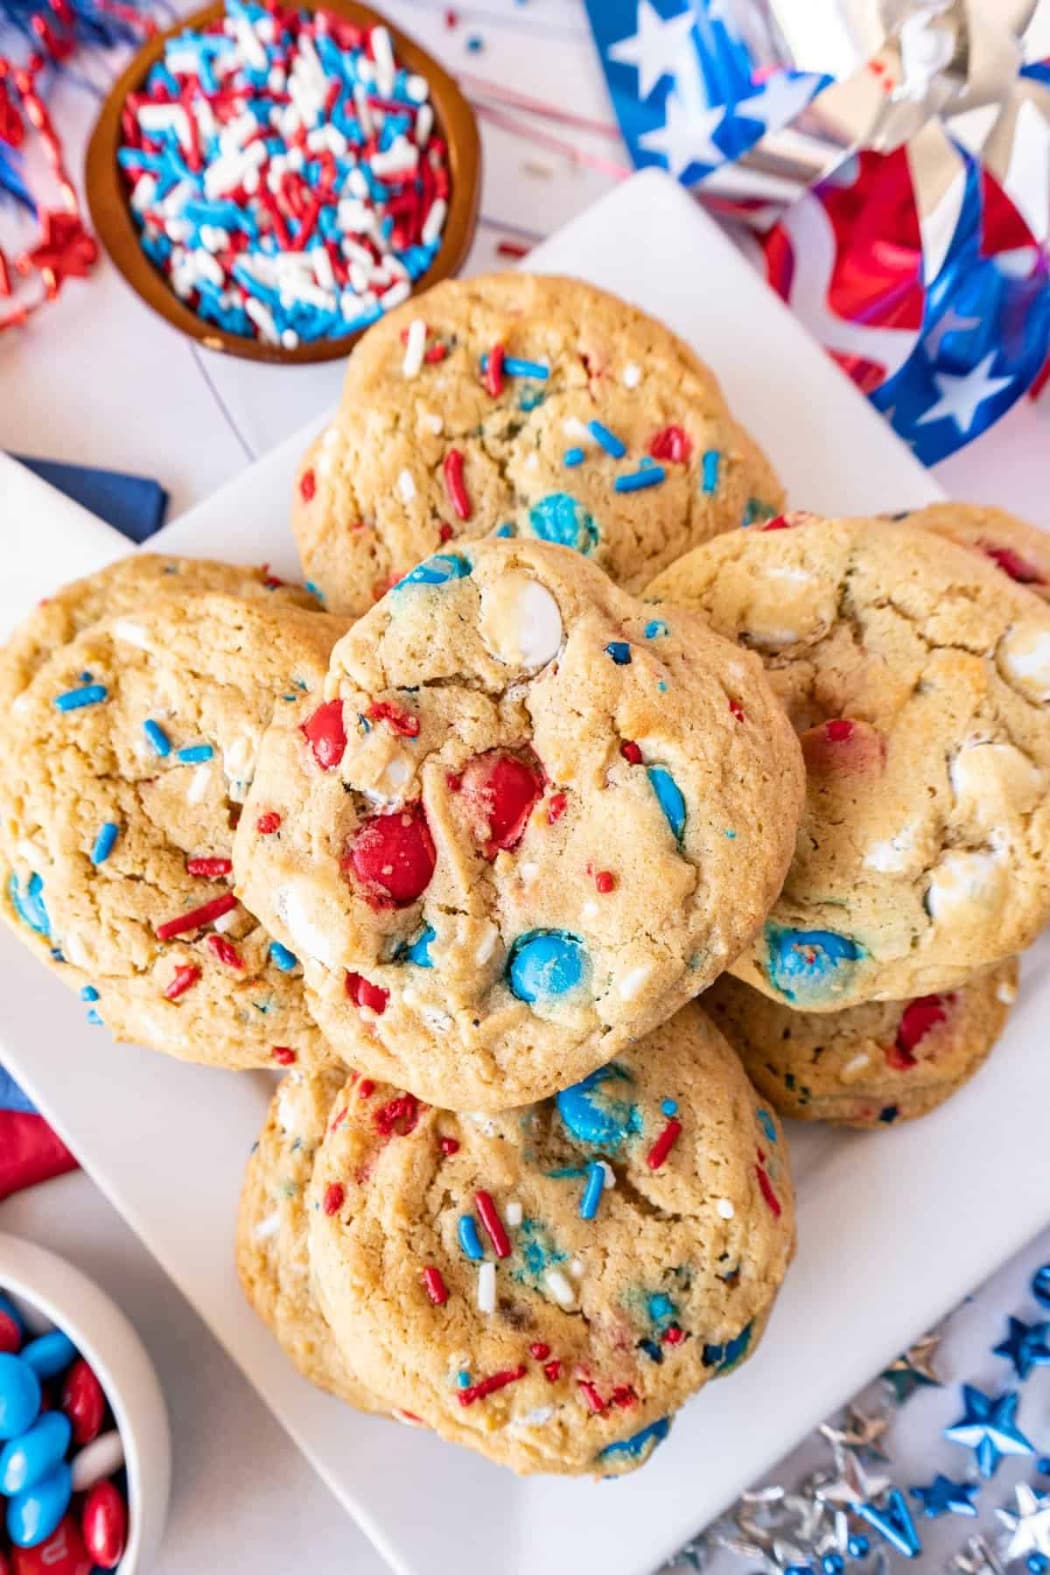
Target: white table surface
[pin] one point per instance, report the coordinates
(82, 385)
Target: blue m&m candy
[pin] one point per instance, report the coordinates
(595, 1111)
(50, 1353)
(28, 1458)
(19, 1396)
(545, 964)
(33, 1515)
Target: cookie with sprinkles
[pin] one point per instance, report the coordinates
(1021, 551)
(918, 676)
(527, 406)
(127, 760)
(548, 1285)
(272, 1259)
(870, 1065)
(122, 587)
(529, 819)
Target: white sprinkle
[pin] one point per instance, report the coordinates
(724, 1209)
(433, 423)
(225, 921)
(199, 782)
(576, 1268)
(400, 158)
(536, 1417)
(528, 871)
(487, 1288)
(289, 338)
(383, 56)
(406, 487)
(631, 984)
(1006, 992)
(267, 1227)
(396, 294)
(486, 1123)
(589, 909)
(424, 124)
(487, 945)
(417, 88)
(512, 1213)
(608, 1176)
(574, 428)
(331, 437)
(415, 345)
(131, 633)
(559, 1287)
(632, 375)
(434, 222)
(858, 1063)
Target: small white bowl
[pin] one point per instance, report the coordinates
(106, 1340)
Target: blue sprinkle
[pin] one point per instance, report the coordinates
(104, 842)
(661, 1308)
(800, 962)
(606, 439)
(545, 963)
(94, 1019)
(756, 510)
(652, 1351)
(463, 1379)
(469, 1240)
(529, 398)
(669, 797)
(573, 457)
(620, 652)
(282, 958)
(711, 461)
(655, 629)
(29, 903)
(723, 1357)
(89, 993)
(765, 1121)
(158, 738)
(561, 519)
(515, 366)
(592, 1192)
(77, 699)
(504, 530)
(419, 951)
(669, 1107)
(475, 43)
(638, 480)
(730, 836)
(593, 1112)
(640, 1445)
(438, 570)
(195, 754)
(315, 590)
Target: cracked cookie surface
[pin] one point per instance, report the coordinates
(869, 1065)
(127, 761)
(1019, 550)
(546, 1285)
(452, 447)
(918, 677)
(532, 818)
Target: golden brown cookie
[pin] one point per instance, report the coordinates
(874, 1064)
(527, 406)
(1021, 551)
(548, 1285)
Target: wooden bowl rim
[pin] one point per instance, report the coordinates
(111, 212)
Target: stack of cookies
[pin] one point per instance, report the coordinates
(462, 866)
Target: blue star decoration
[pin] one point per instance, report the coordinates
(945, 1497)
(1025, 1346)
(989, 1427)
(893, 1521)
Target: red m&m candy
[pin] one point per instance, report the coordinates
(83, 1402)
(62, 1553)
(393, 856)
(104, 1523)
(501, 790)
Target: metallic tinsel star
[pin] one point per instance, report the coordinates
(913, 1369)
(989, 1427)
(1029, 1525)
(1025, 1346)
(975, 1557)
(853, 1485)
(859, 1433)
(944, 1497)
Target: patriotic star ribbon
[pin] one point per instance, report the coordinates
(894, 158)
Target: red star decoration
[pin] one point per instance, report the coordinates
(65, 250)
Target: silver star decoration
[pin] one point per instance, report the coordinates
(853, 1485)
(1029, 1525)
(859, 1434)
(914, 1368)
(975, 1557)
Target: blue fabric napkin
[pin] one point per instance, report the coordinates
(134, 505)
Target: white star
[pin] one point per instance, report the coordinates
(1030, 1525)
(781, 99)
(948, 324)
(963, 395)
(685, 136)
(655, 50)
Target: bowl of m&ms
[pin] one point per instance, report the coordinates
(85, 1453)
(273, 179)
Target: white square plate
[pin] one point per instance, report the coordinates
(894, 1227)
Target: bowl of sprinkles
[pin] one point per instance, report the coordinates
(272, 180)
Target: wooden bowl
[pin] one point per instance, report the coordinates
(111, 214)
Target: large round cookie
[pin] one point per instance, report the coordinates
(869, 1065)
(530, 820)
(551, 446)
(1021, 551)
(120, 588)
(919, 678)
(272, 1258)
(126, 762)
(549, 1284)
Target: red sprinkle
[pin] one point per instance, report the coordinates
(671, 443)
(455, 485)
(663, 1145)
(210, 869)
(307, 485)
(366, 1088)
(502, 790)
(605, 881)
(284, 1055)
(556, 807)
(766, 1188)
(401, 721)
(494, 371)
(489, 1386)
(393, 856)
(591, 1395)
(449, 1145)
(362, 993)
(268, 823)
(326, 734)
(552, 1371)
(624, 1396)
(334, 1197)
(672, 1335)
(445, 531)
(435, 1286)
(399, 1116)
(540, 1351)
(838, 730)
(225, 951)
(207, 913)
(1013, 564)
(631, 752)
(185, 978)
(917, 1019)
(494, 1227)
(737, 710)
